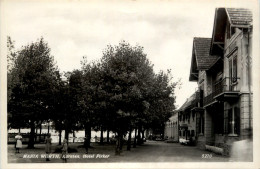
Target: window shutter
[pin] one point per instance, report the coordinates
(229, 120)
(237, 120)
(230, 75)
(234, 69)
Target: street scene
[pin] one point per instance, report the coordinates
(126, 84)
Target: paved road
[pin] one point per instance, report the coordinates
(151, 151)
(157, 151)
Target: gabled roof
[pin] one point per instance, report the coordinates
(239, 16)
(201, 59)
(234, 17)
(187, 103)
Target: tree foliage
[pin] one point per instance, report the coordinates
(120, 92)
(34, 79)
(136, 96)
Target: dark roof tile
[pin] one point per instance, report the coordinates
(187, 102)
(202, 49)
(240, 16)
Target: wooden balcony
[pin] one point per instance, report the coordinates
(223, 90)
(197, 102)
(208, 99)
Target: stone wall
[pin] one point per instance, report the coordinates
(201, 142)
(246, 117)
(208, 128)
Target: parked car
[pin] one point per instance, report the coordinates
(184, 141)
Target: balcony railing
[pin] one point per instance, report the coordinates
(195, 101)
(208, 99)
(198, 100)
(225, 85)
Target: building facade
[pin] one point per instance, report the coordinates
(221, 66)
(187, 121)
(171, 128)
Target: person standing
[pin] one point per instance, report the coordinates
(64, 150)
(48, 146)
(18, 143)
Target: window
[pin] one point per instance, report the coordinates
(180, 132)
(233, 68)
(234, 121)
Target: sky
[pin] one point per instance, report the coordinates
(74, 29)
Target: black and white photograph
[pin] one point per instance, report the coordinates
(129, 84)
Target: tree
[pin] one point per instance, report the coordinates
(31, 93)
(93, 101)
(126, 75)
(161, 101)
(74, 97)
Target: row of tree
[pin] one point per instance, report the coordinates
(119, 92)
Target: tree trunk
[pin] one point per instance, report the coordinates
(143, 136)
(162, 134)
(86, 144)
(118, 144)
(121, 144)
(67, 135)
(129, 139)
(40, 131)
(60, 131)
(35, 138)
(101, 136)
(73, 132)
(107, 136)
(87, 134)
(134, 146)
(139, 136)
(31, 138)
(140, 141)
(48, 127)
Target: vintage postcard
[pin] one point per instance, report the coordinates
(129, 84)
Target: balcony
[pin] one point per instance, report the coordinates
(226, 89)
(208, 99)
(223, 90)
(197, 102)
(196, 99)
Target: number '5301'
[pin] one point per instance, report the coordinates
(206, 156)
